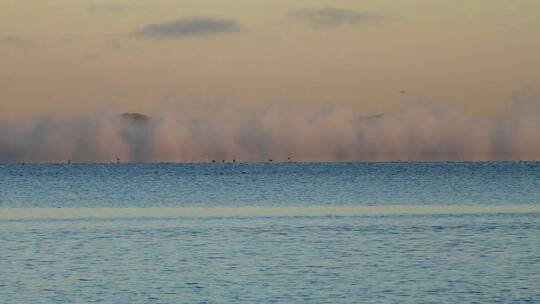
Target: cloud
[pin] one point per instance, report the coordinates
(335, 17)
(14, 41)
(189, 26)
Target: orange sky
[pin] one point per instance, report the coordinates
(71, 56)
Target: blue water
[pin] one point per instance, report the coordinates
(412, 249)
(267, 185)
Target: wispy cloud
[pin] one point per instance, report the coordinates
(189, 26)
(14, 41)
(335, 17)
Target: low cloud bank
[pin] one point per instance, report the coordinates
(420, 133)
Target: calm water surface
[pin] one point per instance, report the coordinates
(268, 185)
(290, 233)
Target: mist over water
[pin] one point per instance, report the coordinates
(419, 132)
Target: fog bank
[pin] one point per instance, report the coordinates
(419, 132)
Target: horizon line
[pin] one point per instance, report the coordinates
(269, 162)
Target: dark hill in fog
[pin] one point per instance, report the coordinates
(135, 117)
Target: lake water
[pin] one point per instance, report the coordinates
(270, 233)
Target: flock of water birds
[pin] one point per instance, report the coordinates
(223, 161)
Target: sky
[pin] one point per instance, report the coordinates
(214, 60)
